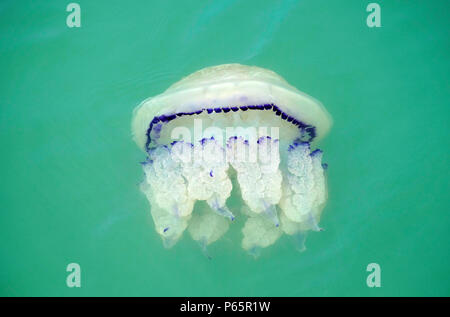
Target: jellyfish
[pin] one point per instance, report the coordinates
(233, 132)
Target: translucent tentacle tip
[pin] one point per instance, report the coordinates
(255, 251)
(168, 242)
(226, 212)
(313, 223)
(222, 210)
(176, 211)
(204, 247)
(271, 213)
(299, 240)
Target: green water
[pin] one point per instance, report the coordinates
(70, 173)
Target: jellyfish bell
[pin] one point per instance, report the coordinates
(233, 121)
(222, 95)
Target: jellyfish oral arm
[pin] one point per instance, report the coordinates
(179, 175)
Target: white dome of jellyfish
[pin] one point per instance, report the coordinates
(233, 125)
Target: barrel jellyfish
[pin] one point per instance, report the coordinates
(233, 130)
